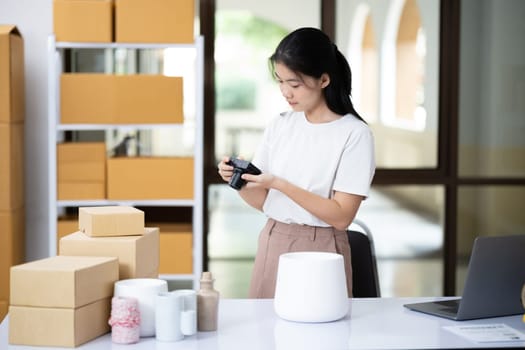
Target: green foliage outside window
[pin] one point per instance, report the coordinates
(235, 93)
(249, 40)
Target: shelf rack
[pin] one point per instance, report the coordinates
(55, 55)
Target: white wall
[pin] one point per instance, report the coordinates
(34, 20)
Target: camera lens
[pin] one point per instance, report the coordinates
(236, 181)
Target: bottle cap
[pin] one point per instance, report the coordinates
(206, 277)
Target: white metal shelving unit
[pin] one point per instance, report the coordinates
(55, 129)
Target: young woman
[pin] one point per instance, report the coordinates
(317, 160)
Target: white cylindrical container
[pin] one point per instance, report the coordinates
(189, 314)
(145, 291)
(168, 309)
(311, 287)
(188, 322)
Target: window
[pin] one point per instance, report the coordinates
(246, 95)
(393, 51)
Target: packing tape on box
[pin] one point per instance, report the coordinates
(125, 320)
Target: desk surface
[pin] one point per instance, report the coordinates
(375, 323)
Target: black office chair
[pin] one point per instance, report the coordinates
(365, 280)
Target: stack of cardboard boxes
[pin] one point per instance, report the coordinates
(81, 170)
(85, 172)
(116, 231)
(176, 243)
(61, 301)
(90, 98)
(12, 226)
(66, 300)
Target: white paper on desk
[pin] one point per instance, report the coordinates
(487, 333)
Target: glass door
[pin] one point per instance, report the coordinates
(393, 50)
(246, 98)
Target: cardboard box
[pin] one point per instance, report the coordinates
(63, 281)
(138, 255)
(87, 98)
(4, 305)
(12, 243)
(83, 20)
(143, 98)
(111, 221)
(82, 172)
(153, 274)
(66, 225)
(81, 190)
(12, 190)
(120, 99)
(176, 248)
(150, 178)
(161, 21)
(81, 162)
(40, 326)
(73, 152)
(12, 107)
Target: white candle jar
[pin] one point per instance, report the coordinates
(145, 290)
(311, 287)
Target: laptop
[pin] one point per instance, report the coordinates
(495, 277)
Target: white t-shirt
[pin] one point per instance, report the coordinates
(321, 158)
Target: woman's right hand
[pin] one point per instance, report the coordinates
(225, 170)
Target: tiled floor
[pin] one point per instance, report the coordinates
(409, 261)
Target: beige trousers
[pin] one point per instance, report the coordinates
(277, 238)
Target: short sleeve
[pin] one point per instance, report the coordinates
(261, 156)
(357, 165)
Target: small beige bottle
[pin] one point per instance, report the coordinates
(207, 304)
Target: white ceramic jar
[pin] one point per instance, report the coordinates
(145, 290)
(311, 287)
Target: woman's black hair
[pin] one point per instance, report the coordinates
(309, 51)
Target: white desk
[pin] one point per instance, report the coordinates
(381, 323)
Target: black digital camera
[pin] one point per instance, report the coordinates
(241, 167)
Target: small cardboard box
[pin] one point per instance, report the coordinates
(12, 243)
(150, 178)
(138, 255)
(63, 281)
(81, 190)
(110, 221)
(81, 162)
(41, 326)
(66, 225)
(11, 166)
(12, 107)
(81, 170)
(176, 248)
(83, 20)
(120, 99)
(161, 21)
